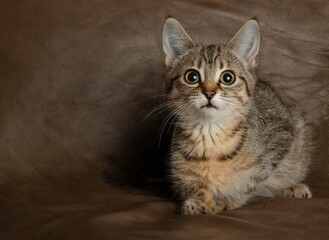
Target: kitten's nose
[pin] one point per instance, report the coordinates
(209, 95)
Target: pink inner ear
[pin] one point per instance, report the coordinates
(168, 61)
(246, 42)
(252, 61)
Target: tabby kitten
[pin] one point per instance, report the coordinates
(235, 139)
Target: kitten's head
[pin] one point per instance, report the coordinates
(213, 81)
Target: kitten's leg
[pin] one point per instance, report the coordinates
(297, 191)
(201, 202)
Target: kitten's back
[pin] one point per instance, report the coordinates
(282, 136)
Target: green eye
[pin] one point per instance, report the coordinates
(227, 78)
(192, 77)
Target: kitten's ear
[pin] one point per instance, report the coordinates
(175, 40)
(245, 44)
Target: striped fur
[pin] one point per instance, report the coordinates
(249, 143)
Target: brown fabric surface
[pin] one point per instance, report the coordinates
(78, 77)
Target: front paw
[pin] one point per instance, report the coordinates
(297, 191)
(197, 206)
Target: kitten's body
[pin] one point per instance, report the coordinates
(241, 141)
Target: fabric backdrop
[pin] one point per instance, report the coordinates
(77, 78)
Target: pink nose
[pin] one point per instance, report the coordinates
(209, 95)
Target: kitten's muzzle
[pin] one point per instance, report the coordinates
(209, 94)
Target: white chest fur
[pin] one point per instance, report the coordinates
(211, 141)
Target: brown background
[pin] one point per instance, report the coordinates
(78, 77)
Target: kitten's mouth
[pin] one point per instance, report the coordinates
(209, 105)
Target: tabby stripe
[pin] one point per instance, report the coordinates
(245, 82)
(191, 157)
(232, 154)
(200, 63)
(212, 139)
(217, 56)
(212, 53)
(221, 65)
(260, 178)
(205, 57)
(238, 127)
(204, 146)
(249, 190)
(215, 60)
(171, 84)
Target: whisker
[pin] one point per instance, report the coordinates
(189, 111)
(164, 123)
(162, 106)
(184, 114)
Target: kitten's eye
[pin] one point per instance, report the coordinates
(192, 77)
(227, 78)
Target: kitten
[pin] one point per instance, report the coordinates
(235, 139)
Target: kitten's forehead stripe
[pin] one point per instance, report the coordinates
(218, 55)
(209, 53)
(204, 54)
(212, 56)
(199, 65)
(221, 65)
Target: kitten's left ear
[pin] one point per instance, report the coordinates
(245, 44)
(175, 40)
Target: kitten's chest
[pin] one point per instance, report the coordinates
(209, 142)
(214, 156)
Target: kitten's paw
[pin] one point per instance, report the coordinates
(197, 206)
(220, 207)
(297, 191)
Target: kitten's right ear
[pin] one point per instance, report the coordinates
(175, 40)
(245, 44)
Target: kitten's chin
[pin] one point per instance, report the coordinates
(210, 111)
(209, 106)
(214, 114)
